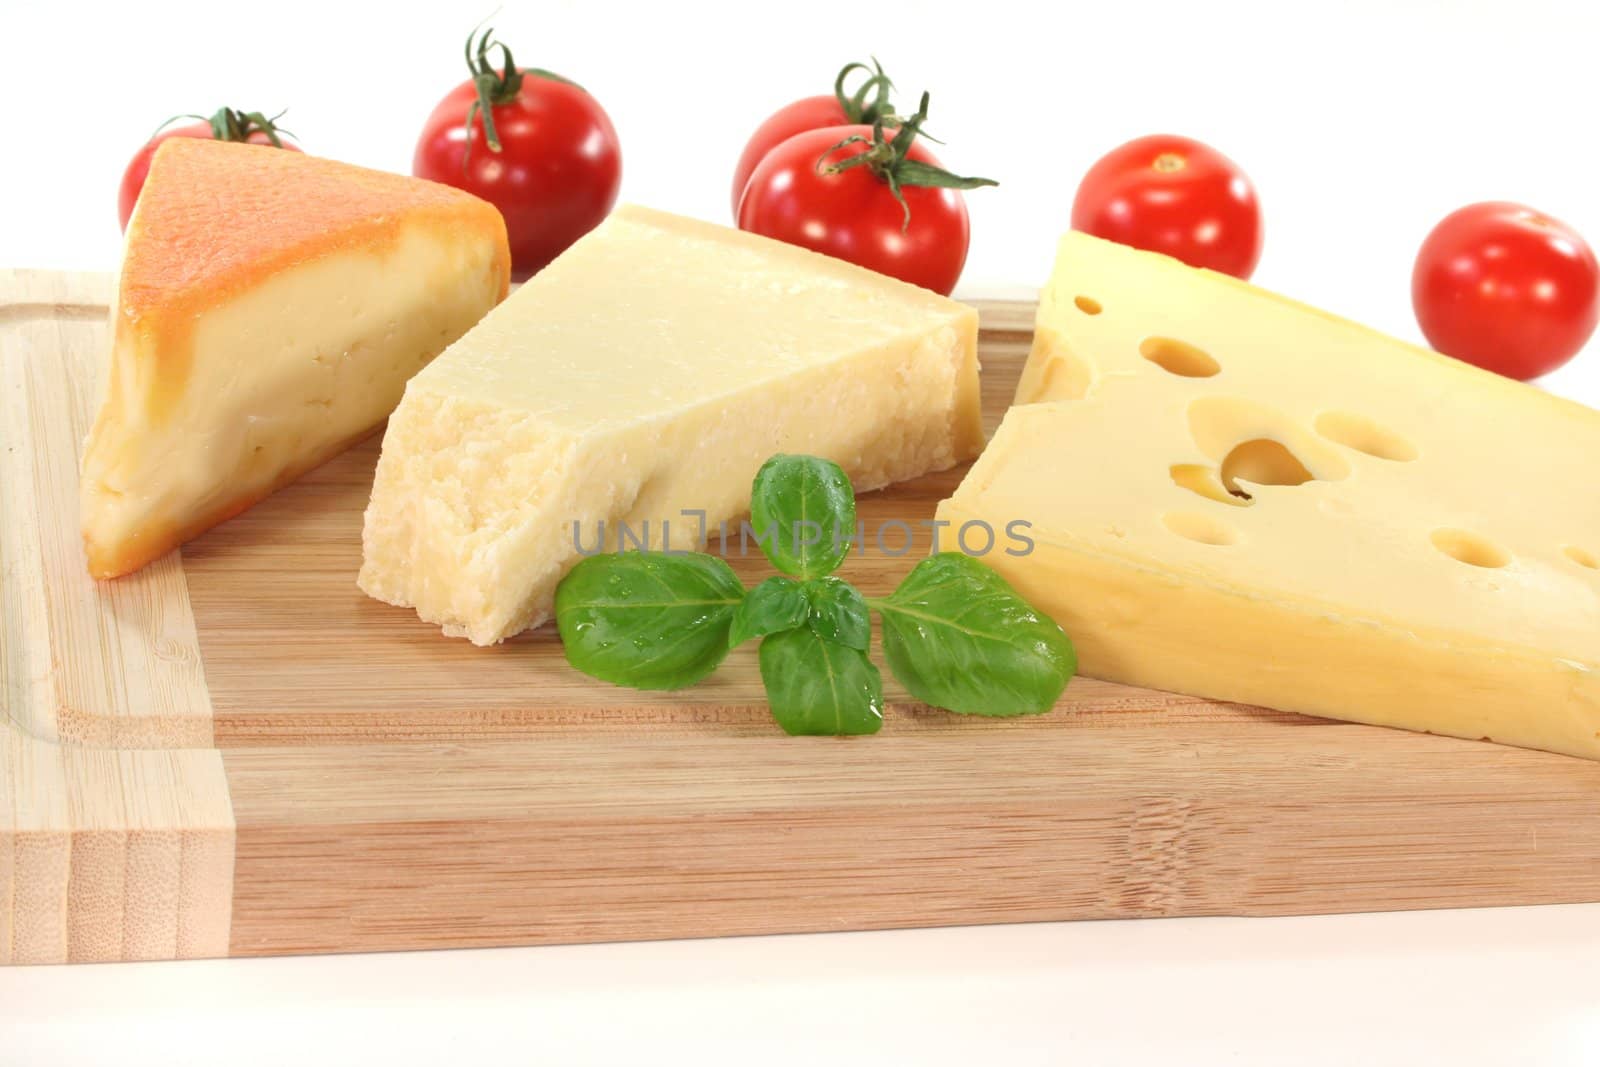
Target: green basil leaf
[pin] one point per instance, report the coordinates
(818, 687)
(804, 514)
(648, 620)
(776, 605)
(960, 638)
(839, 612)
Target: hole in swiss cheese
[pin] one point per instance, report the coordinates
(1205, 529)
(1179, 357)
(1582, 557)
(1364, 435)
(1469, 548)
(1203, 480)
(1264, 462)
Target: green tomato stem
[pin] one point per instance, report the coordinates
(494, 87)
(888, 158)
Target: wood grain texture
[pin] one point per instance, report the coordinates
(106, 852)
(110, 664)
(382, 787)
(112, 854)
(660, 835)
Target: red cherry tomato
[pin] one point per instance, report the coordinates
(811, 113)
(226, 125)
(852, 214)
(1173, 195)
(863, 107)
(548, 156)
(1507, 288)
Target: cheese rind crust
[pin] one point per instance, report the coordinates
(649, 372)
(270, 308)
(1420, 560)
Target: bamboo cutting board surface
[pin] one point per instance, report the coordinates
(235, 752)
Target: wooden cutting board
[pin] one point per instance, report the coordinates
(236, 752)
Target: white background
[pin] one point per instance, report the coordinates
(1361, 123)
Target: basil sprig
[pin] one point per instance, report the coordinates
(955, 633)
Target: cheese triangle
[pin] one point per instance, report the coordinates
(270, 309)
(1241, 497)
(641, 380)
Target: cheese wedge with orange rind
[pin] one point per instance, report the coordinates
(270, 309)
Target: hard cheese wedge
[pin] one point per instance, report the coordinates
(1237, 496)
(647, 372)
(270, 309)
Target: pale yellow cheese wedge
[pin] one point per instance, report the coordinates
(1240, 497)
(269, 310)
(648, 372)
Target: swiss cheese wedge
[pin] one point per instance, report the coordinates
(642, 378)
(1237, 496)
(270, 309)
